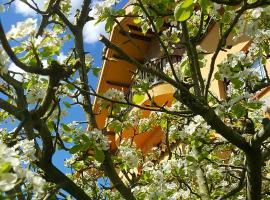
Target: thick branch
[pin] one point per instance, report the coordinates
(84, 13)
(193, 61)
(254, 174)
(117, 182)
(45, 17)
(54, 175)
(9, 108)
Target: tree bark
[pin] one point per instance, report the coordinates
(115, 179)
(54, 175)
(254, 174)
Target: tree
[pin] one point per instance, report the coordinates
(217, 149)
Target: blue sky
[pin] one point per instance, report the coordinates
(19, 12)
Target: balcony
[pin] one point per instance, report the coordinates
(159, 64)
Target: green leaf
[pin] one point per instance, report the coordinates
(205, 5)
(185, 68)
(75, 149)
(254, 105)
(70, 86)
(85, 146)
(50, 125)
(67, 104)
(5, 167)
(109, 24)
(217, 76)
(203, 156)
(85, 138)
(18, 49)
(184, 10)
(66, 128)
(237, 82)
(182, 15)
(252, 1)
(137, 98)
(96, 71)
(159, 23)
(137, 20)
(144, 28)
(67, 139)
(187, 3)
(175, 38)
(264, 60)
(238, 110)
(121, 12)
(48, 51)
(99, 155)
(30, 84)
(191, 159)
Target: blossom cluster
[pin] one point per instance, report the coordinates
(162, 183)
(100, 140)
(129, 154)
(22, 29)
(35, 93)
(28, 150)
(12, 171)
(101, 6)
(115, 94)
(4, 61)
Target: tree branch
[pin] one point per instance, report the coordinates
(9, 51)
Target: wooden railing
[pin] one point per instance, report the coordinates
(158, 64)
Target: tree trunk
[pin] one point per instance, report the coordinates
(254, 174)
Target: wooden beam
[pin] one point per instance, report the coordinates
(136, 36)
(119, 84)
(117, 57)
(139, 29)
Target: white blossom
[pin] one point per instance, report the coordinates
(100, 7)
(256, 13)
(115, 94)
(28, 149)
(7, 181)
(216, 6)
(4, 61)
(36, 181)
(101, 140)
(35, 93)
(129, 154)
(22, 29)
